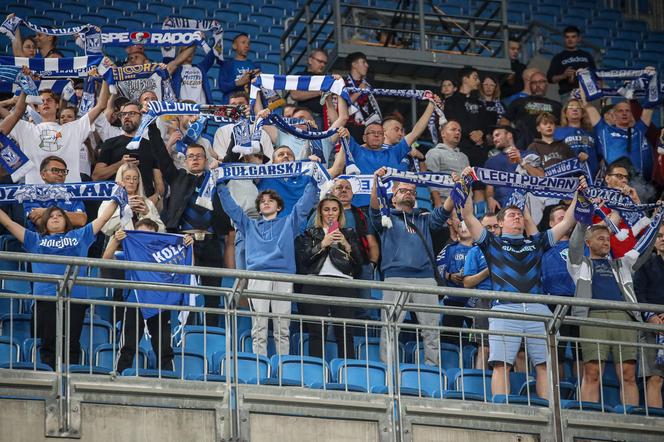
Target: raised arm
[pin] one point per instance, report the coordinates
(181, 57)
(104, 216)
(10, 121)
(102, 102)
(421, 125)
(593, 113)
(474, 225)
(17, 230)
(560, 229)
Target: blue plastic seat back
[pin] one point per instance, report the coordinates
(424, 378)
(364, 374)
(474, 381)
(10, 350)
(17, 326)
(305, 370)
(211, 341)
(251, 367)
(105, 357)
(188, 363)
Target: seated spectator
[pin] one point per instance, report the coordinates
(158, 325)
(329, 249)
(599, 277)
(367, 111)
(224, 139)
(618, 177)
(114, 153)
(508, 159)
(513, 82)
(625, 138)
(57, 237)
(465, 107)
(270, 247)
(38, 141)
(575, 131)
(316, 64)
(490, 99)
(476, 275)
(235, 74)
(403, 260)
(563, 66)
(446, 158)
(523, 112)
(53, 171)
(648, 283)
(129, 177)
(447, 88)
(515, 262)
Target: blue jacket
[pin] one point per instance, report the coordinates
(402, 249)
(231, 70)
(270, 244)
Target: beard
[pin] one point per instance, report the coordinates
(129, 126)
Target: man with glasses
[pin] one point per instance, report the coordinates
(38, 141)
(211, 229)
(408, 257)
(114, 153)
(523, 112)
(316, 65)
(53, 170)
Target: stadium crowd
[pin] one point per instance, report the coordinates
(289, 225)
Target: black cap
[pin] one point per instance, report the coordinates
(506, 127)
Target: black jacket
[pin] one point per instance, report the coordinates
(648, 282)
(311, 257)
(182, 185)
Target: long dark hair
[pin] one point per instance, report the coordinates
(47, 214)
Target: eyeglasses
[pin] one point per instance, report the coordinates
(58, 171)
(319, 60)
(620, 176)
(128, 114)
(411, 191)
(197, 156)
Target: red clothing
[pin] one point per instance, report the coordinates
(618, 248)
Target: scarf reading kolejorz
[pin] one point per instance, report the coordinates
(132, 81)
(199, 25)
(245, 171)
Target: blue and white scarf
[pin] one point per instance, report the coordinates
(92, 191)
(314, 136)
(635, 81)
(569, 167)
(244, 171)
(88, 32)
(323, 83)
(153, 37)
(192, 134)
(88, 97)
(115, 76)
(14, 75)
(12, 158)
(200, 25)
(55, 67)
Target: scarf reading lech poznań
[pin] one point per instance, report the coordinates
(199, 25)
(245, 171)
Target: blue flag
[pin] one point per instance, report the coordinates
(160, 248)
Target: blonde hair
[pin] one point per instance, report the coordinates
(124, 168)
(585, 119)
(319, 212)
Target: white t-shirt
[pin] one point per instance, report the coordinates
(191, 84)
(222, 140)
(106, 130)
(84, 161)
(39, 141)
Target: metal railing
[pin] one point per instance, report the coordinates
(227, 367)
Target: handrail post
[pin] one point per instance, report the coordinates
(420, 12)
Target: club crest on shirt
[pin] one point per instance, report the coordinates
(51, 140)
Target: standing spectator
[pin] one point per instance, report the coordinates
(625, 138)
(58, 237)
(508, 159)
(513, 83)
(550, 151)
(270, 247)
(190, 81)
(447, 88)
(236, 74)
(86, 157)
(24, 47)
(525, 81)
(515, 262)
(490, 99)
(212, 230)
(563, 66)
(446, 158)
(575, 131)
(329, 249)
(648, 283)
(316, 64)
(114, 153)
(523, 112)
(408, 257)
(48, 138)
(364, 109)
(53, 171)
(465, 108)
(599, 277)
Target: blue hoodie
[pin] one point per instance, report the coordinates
(270, 244)
(229, 71)
(403, 253)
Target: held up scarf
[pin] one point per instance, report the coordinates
(634, 81)
(12, 159)
(200, 25)
(14, 75)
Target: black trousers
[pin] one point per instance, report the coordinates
(454, 321)
(209, 253)
(44, 314)
(315, 329)
(160, 333)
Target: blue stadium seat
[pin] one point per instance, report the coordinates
(422, 380)
(161, 9)
(630, 35)
(239, 7)
(640, 410)
(111, 12)
(567, 389)
(188, 363)
(633, 25)
(373, 349)
(246, 343)
(99, 330)
(251, 367)
(585, 406)
(469, 384)
(520, 400)
(449, 355)
(150, 373)
(610, 14)
(26, 366)
(277, 12)
(89, 369)
(356, 375)
(297, 371)
(331, 347)
(619, 53)
(194, 12)
(213, 339)
(105, 357)
(613, 62)
(20, 326)
(10, 350)
(9, 305)
(30, 350)
(94, 19)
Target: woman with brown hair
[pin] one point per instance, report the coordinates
(329, 249)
